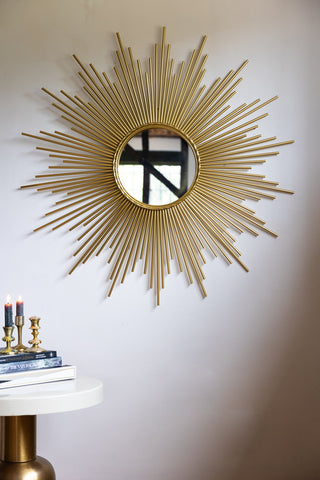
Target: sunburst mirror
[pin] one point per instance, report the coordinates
(157, 166)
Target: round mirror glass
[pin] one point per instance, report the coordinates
(157, 166)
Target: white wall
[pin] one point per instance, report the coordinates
(223, 388)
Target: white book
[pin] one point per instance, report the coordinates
(42, 375)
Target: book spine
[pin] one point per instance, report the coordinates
(12, 367)
(27, 356)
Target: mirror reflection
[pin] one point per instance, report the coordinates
(157, 166)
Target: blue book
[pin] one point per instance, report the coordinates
(18, 357)
(34, 364)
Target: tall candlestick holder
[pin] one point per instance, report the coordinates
(19, 322)
(8, 338)
(35, 342)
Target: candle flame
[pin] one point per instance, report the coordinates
(19, 299)
(8, 299)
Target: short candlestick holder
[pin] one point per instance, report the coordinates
(35, 342)
(19, 322)
(8, 338)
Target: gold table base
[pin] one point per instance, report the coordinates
(18, 459)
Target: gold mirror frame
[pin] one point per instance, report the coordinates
(118, 155)
(87, 175)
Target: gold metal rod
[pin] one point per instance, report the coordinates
(174, 93)
(141, 233)
(182, 250)
(252, 111)
(129, 80)
(78, 211)
(126, 228)
(118, 102)
(186, 213)
(96, 242)
(90, 132)
(238, 144)
(133, 86)
(189, 247)
(204, 126)
(207, 116)
(52, 212)
(194, 100)
(113, 226)
(249, 218)
(153, 248)
(166, 239)
(226, 136)
(109, 107)
(77, 141)
(110, 101)
(155, 85)
(76, 114)
(149, 235)
(237, 192)
(186, 93)
(145, 235)
(238, 207)
(144, 94)
(231, 115)
(126, 107)
(129, 104)
(186, 101)
(207, 132)
(84, 194)
(151, 98)
(251, 177)
(172, 234)
(162, 74)
(125, 242)
(126, 88)
(112, 118)
(231, 218)
(216, 90)
(85, 121)
(157, 257)
(215, 239)
(148, 95)
(134, 242)
(201, 105)
(242, 149)
(160, 229)
(189, 73)
(137, 87)
(169, 236)
(215, 226)
(62, 143)
(91, 112)
(168, 89)
(112, 128)
(93, 91)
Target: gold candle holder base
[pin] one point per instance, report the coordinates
(35, 342)
(8, 338)
(19, 322)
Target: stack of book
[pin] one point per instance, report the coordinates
(32, 368)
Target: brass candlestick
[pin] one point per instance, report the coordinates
(19, 322)
(8, 338)
(35, 342)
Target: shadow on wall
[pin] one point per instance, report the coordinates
(283, 441)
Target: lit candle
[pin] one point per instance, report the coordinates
(8, 313)
(19, 307)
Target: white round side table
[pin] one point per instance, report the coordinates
(19, 408)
